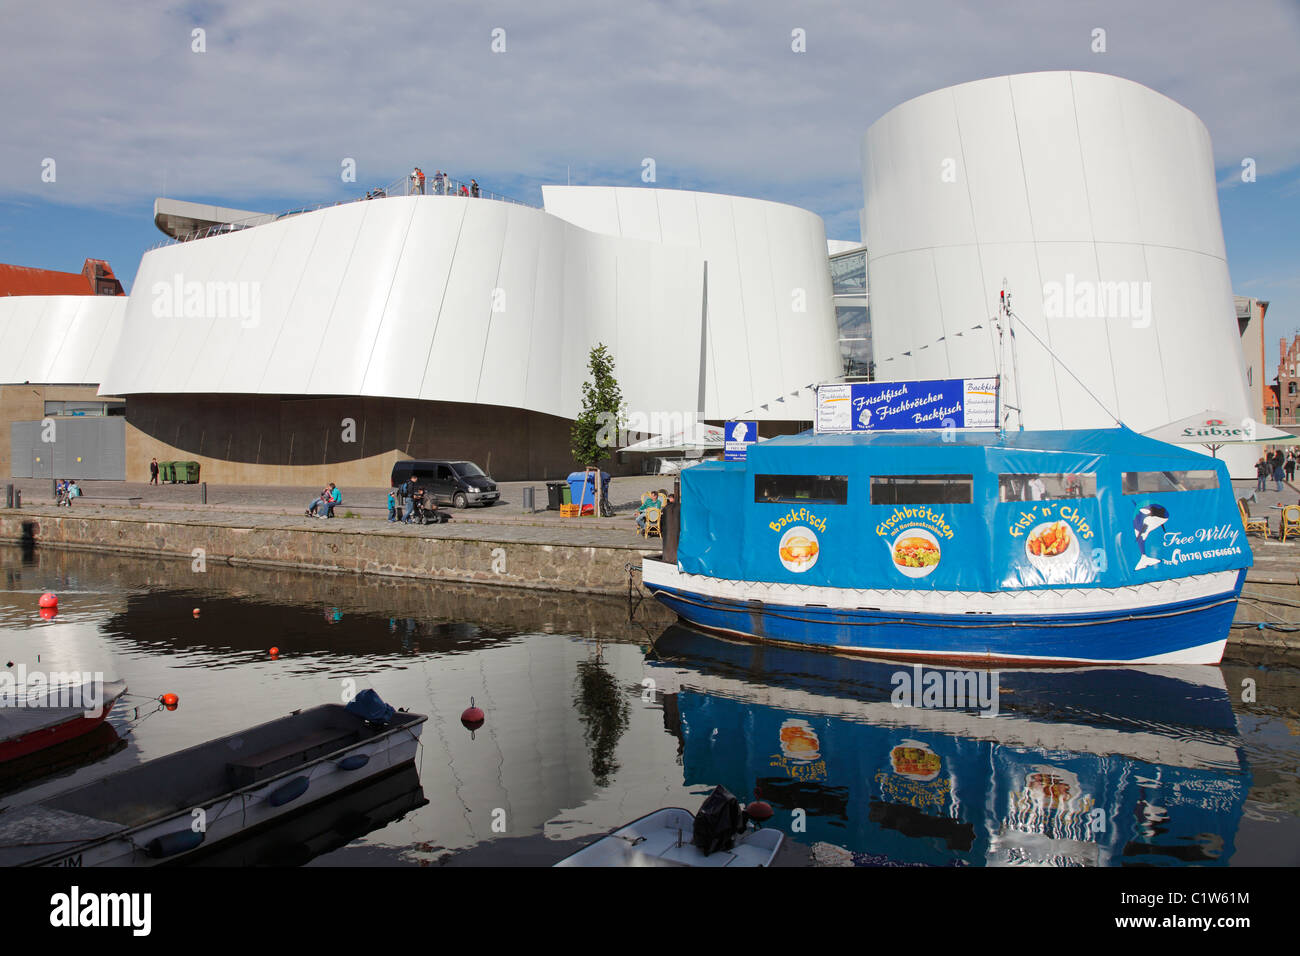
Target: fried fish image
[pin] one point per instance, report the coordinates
(798, 549)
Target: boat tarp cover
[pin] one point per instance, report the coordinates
(1095, 508)
(369, 706)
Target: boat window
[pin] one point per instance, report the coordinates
(801, 489)
(921, 489)
(1041, 486)
(1156, 482)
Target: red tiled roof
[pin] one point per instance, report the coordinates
(22, 280)
(1270, 397)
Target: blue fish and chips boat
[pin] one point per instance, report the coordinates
(1030, 547)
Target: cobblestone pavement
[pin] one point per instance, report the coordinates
(365, 504)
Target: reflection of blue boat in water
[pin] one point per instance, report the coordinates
(1080, 766)
(1030, 547)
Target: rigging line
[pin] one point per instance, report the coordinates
(1057, 358)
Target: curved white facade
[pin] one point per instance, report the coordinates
(472, 300)
(1054, 182)
(771, 322)
(435, 298)
(63, 339)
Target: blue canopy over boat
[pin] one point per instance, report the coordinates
(961, 510)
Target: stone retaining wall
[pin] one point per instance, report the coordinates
(600, 570)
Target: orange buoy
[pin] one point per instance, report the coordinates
(48, 613)
(170, 701)
(275, 652)
(196, 612)
(49, 600)
(472, 717)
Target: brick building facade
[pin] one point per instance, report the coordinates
(1288, 382)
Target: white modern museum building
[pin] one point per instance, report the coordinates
(327, 344)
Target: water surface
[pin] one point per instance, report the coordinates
(593, 720)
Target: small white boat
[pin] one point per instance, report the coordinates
(663, 838)
(171, 806)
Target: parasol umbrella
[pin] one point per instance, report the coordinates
(697, 438)
(1214, 430)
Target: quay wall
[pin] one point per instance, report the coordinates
(336, 548)
(1271, 596)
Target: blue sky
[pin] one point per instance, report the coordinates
(262, 118)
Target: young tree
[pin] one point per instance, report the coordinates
(595, 430)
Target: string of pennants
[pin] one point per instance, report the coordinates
(955, 335)
(813, 388)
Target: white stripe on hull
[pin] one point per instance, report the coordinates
(1025, 603)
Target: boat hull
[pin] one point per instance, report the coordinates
(56, 733)
(1185, 621)
(237, 813)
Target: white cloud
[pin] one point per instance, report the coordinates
(285, 90)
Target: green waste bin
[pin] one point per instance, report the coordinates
(167, 471)
(566, 495)
(187, 472)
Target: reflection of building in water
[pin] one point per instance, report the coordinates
(942, 786)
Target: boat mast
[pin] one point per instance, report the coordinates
(1004, 312)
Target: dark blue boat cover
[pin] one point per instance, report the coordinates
(1032, 509)
(370, 706)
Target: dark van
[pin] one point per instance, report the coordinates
(458, 483)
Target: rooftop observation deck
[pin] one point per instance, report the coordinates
(184, 221)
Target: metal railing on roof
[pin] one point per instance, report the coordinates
(408, 185)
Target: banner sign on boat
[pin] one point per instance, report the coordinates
(882, 406)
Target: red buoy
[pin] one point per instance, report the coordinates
(49, 600)
(473, 717)
(170, 701)
(759, 810)
(196, 612)
(275, 652)
(47, 613)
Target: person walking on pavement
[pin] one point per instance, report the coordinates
(1261, 475)
(1278, 470)
(153, 472)
(1290, 465)
(409, 490)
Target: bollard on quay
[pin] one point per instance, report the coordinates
(203, 492)
(530, 500)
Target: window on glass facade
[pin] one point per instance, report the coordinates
(849, 274)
